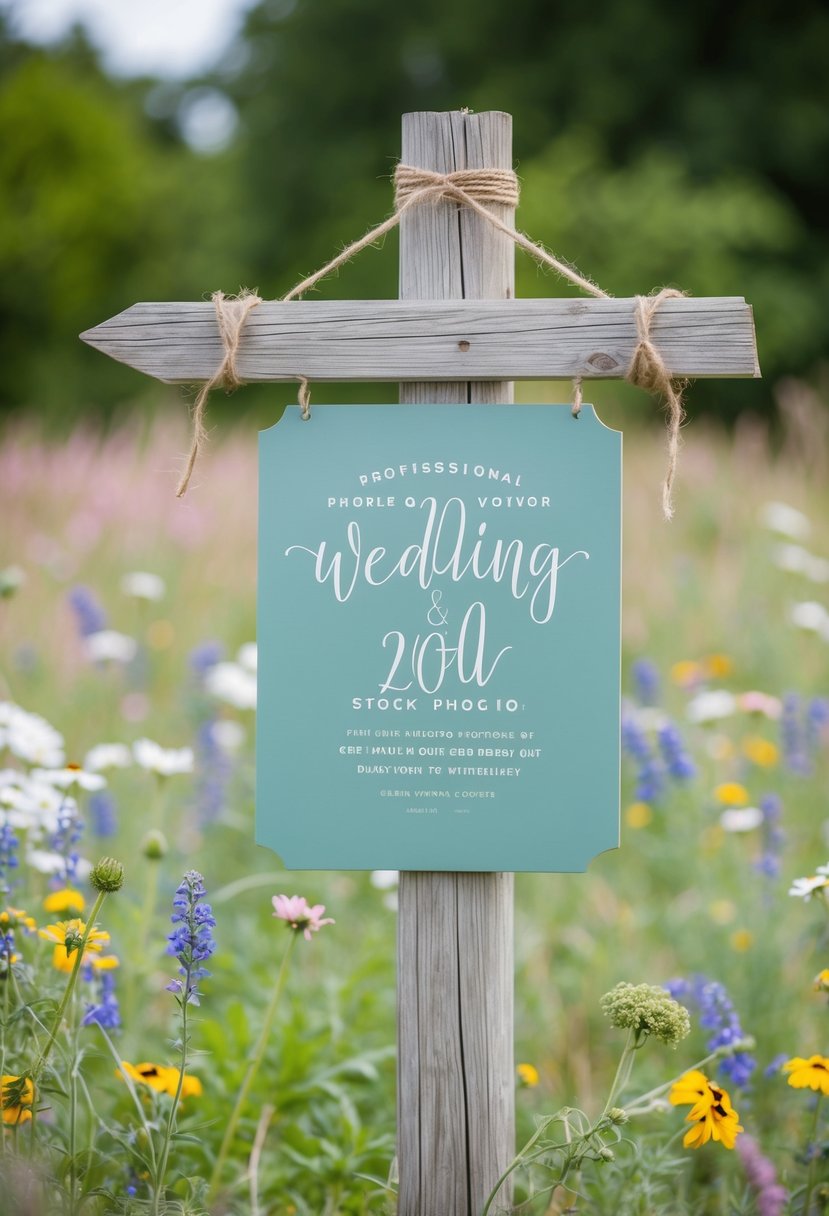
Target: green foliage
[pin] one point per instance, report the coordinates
(95, 212)
(657, 144)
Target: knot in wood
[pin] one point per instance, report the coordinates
(481, 185)
(602, 362)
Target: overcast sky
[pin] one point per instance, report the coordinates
(172, 38)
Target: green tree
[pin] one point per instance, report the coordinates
(96, 212)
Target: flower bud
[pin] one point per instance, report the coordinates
(606, 1153)
(107, 875)
(617, 1115)
(154, 845)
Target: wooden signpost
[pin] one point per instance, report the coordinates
(456, 336)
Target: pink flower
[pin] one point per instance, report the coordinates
(295, 910)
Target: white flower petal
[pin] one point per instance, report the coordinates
(710, 706)
(741, 819)
(384, 880)
(233, 684)
(143, 586)
(247, 656)
(167, 762)
(110, 646)
(107, 755)
(810, 616)
(787, 521)
(804, 888)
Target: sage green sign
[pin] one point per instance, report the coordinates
(439, 592)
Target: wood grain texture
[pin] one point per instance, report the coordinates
(456, 1119)
(424, 340)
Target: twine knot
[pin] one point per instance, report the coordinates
(482, 185)
(647, 370)
(231, 314)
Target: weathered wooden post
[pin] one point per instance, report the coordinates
(349, 543)
(455, 1096)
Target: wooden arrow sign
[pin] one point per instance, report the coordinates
(433, 340)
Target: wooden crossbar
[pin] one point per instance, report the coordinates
(433, 340)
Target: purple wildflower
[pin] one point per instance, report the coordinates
(678, 761)
(772, 1069)
(63, 841)
(8, 856)
(717, 1013)
(6, 951)
(103, 813)
(773, 836)
(215, 768)
(646, 679)
(205, 656)
(650, 775)
(817, 722)
(89, 614)
(105, 1012)
(793, 736)
(191, 940)
(762, 1178)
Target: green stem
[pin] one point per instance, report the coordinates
(252, 1070)
(660, 1089)
(73, 1114)
(67, 996)
(526, 1158)
(810, 1185)
(623, 1071)
(168, 1131)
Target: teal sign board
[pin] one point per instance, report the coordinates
(438, 630)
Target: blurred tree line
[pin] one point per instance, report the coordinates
(657, 144)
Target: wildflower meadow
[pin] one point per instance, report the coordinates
(186, 1027)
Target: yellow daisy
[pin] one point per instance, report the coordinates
(67, 936)
(21, 1110)
(712, 1117)
(64, 902)
(163, 1080)
(527, 1074)
(808, 1074)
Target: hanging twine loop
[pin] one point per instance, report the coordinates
(647, 370)
(479, 190)
(231, 314)
(578, 397)
(304, 399)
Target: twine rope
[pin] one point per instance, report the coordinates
(647, 370)
(231, 314)
(479, 190)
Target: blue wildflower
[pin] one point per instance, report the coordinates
(817, 721)
(205, 656)
(63, 840)
(191, 940)
(89, 614)
(7, 947)
(717, 1013)
(773, 836)
(8, 856)
(678, 761)
(103, 813)
(773, 1068)
(650, 775)
(215, 769)
(106, 1011)
(646, 679)
(793, 736)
